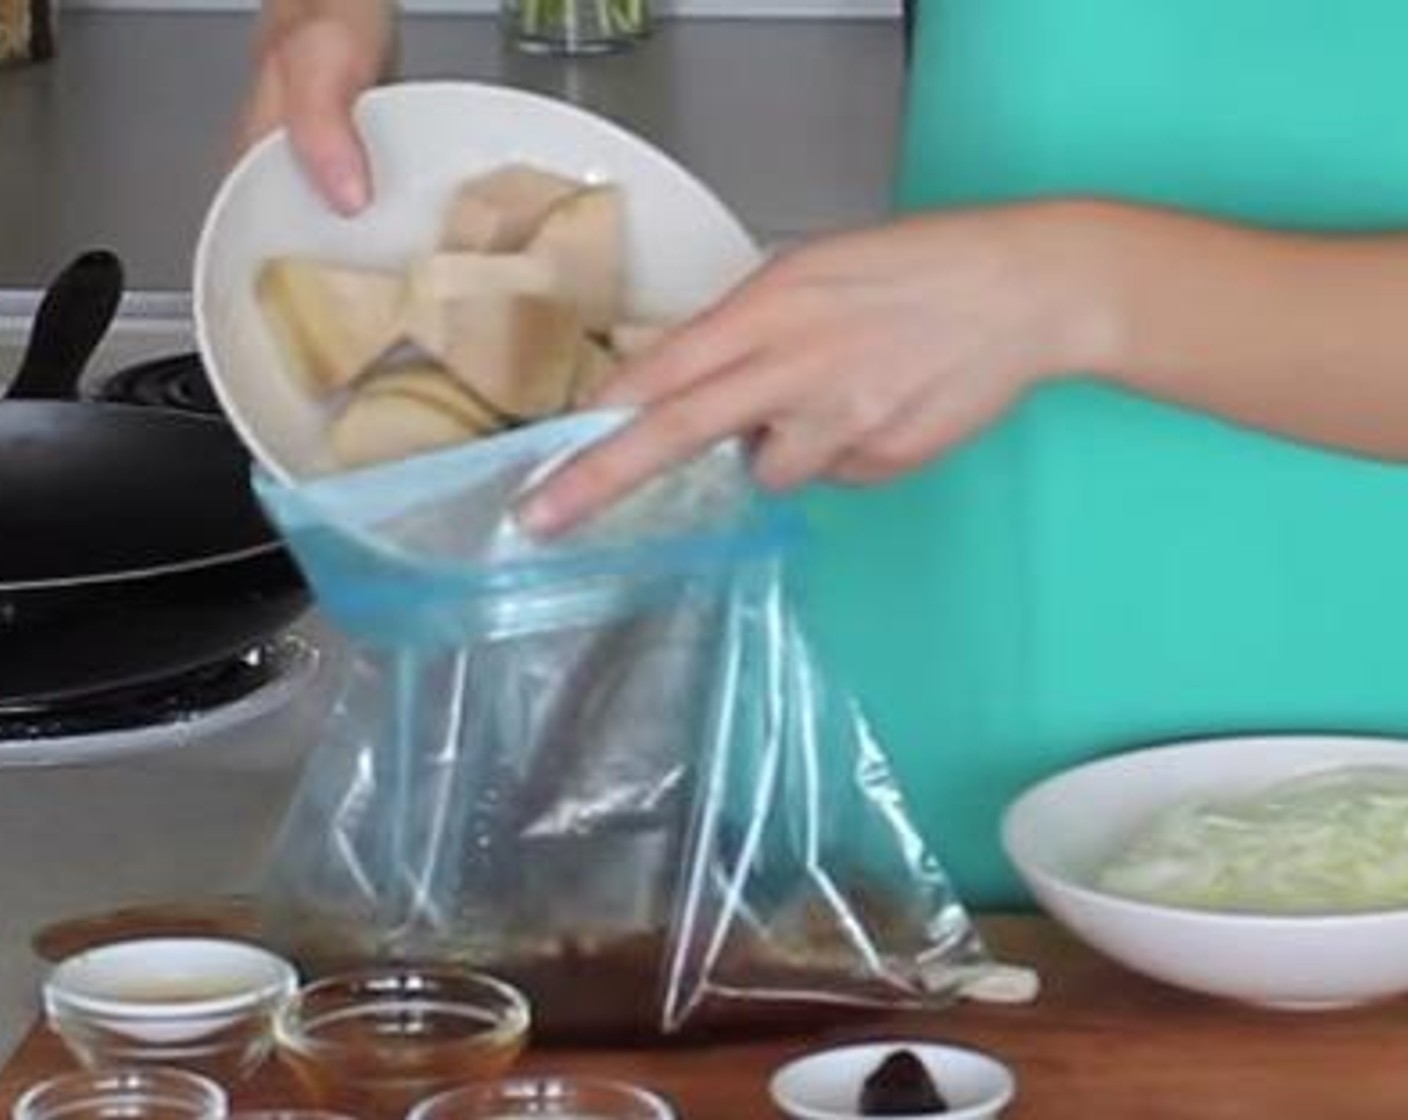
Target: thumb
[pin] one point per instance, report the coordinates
(321, 78)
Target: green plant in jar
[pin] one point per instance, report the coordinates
(578, 26)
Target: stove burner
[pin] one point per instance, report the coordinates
(175, 382)
(152, 704)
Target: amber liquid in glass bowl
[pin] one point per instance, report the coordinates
(373, 1044)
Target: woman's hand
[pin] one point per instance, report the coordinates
(856, 358)
(313, 58)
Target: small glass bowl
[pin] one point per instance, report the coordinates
(288, 1114)
(372, 1043)
(200, 1004)
(581, 1098)
(145, 1093)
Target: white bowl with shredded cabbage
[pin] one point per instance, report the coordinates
(1270, 870)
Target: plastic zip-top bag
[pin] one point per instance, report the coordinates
(605, 767)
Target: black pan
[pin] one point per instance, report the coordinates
(131, 547)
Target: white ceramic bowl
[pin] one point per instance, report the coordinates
(827, 1085)
(684, 248)
(1062, 831)
(205, 1004)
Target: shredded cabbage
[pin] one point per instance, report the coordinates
(1330, 842)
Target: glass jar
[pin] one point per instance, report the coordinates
(576, 26)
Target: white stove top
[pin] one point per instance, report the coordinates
(148, 325)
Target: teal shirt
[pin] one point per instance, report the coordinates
(1099, 571)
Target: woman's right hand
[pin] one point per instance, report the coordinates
(313, 59)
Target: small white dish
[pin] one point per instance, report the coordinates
(684, 248)
(827, 1085)
(202, 1003)
(1062, 831)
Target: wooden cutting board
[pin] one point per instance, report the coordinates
(1100, 1042)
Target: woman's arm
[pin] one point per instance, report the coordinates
(1302, 335)
(861, 356)
(312, 59)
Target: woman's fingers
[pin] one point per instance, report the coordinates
(935, 424)
(314, 60)
(859, 358)
(322, 75)
(802, 426)
(671, 433)
(263, 109)
(794, 450)
(715, 340)
(819, 428)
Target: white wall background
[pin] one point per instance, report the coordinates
(797, 9)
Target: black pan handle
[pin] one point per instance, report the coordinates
(73, 316)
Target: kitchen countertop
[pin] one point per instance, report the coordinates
(1099, 1043)
(121, 140)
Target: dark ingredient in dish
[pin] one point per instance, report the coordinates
(901, 1086)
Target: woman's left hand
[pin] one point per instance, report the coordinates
(313, 60)
(856, 358)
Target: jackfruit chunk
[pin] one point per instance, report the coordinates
(406, 412)
(501, 211)
(518, 352)
(332, 322)
(584, 237)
